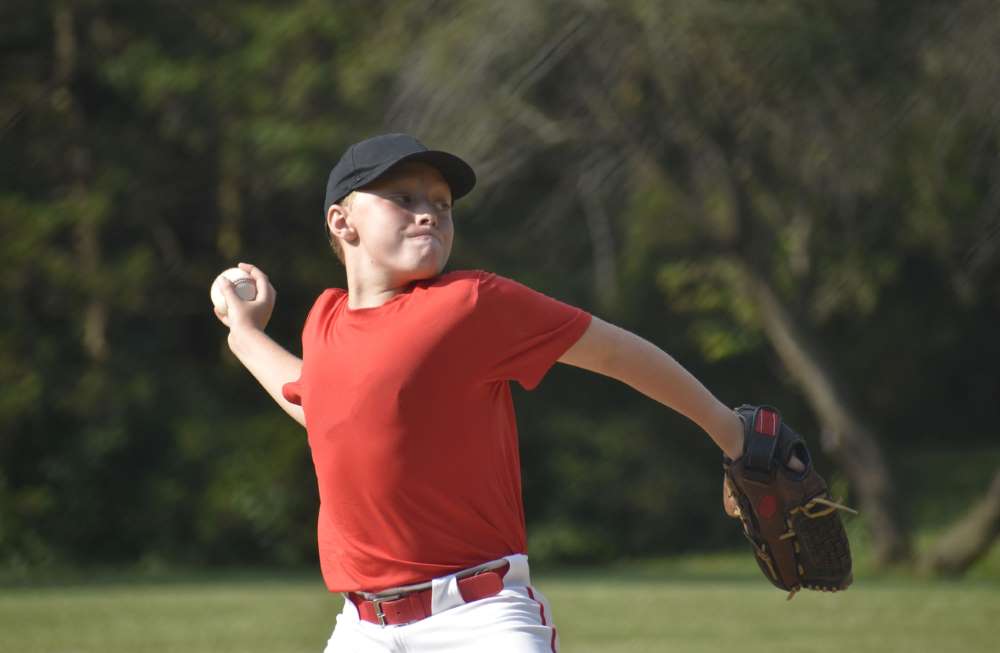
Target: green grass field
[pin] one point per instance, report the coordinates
(703, 603)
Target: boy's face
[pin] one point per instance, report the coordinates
(403, 222)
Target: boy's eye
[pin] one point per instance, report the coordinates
(442, 206)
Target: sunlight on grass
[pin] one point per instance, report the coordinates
(693, 604)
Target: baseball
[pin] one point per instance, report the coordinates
(245, 286)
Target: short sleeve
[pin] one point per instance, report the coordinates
(292, 392)
(524, 332)
(318, 315)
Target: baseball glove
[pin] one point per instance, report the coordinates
(788, 516)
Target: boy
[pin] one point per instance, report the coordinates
(403, 388)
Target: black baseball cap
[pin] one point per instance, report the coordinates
(368, 160)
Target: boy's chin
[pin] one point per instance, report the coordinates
(426, 271)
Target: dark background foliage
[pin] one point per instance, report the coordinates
(631, 155)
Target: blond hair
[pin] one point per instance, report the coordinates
(335, 245)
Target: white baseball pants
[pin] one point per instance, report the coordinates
(517, 620)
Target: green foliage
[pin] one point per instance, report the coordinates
(160, 148)
(630, 155)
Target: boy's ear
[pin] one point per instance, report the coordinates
(338, 224)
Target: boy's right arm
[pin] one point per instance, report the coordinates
(271, 364)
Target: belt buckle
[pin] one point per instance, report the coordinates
(377, 604)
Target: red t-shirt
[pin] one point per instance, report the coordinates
(411, 423)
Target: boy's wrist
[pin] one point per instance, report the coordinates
(238, 335)
(728, 432)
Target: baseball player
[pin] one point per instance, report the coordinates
(404, 391)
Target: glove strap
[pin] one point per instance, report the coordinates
(761, 426)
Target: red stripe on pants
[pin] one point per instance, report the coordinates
(541, 613)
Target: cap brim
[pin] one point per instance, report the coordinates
(458, 174)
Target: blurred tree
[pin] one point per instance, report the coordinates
(775, 155)
(146, 147)
(814, 179)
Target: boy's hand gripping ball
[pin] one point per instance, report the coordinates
(243, 283)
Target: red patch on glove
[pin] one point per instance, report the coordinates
(767, 506)
(766, 423)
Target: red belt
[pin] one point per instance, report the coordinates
(400, 609)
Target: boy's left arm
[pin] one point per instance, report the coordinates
(817, 556)
(612, 351)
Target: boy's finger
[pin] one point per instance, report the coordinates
(228, 291)
(222, 316)
(259, 278)
(253, 271)
(795, 464)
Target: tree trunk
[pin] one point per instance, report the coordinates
(969, 538)
(602, 239)
(230, 202)
(844, 435)
(87, 227)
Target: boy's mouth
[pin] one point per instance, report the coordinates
(424, 234)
